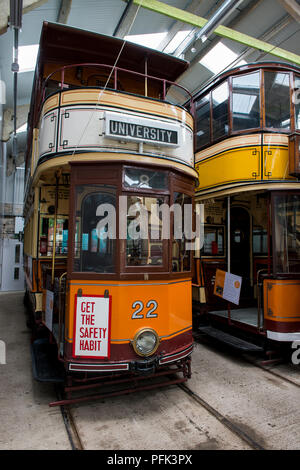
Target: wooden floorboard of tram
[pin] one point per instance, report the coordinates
(265, 407)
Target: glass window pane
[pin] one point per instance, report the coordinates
(287, 233)
(203, 122)
(246, 101)
(95, 229)
(144, 246)
(277, 100)
(17, 253)
(260, 241)
(220, 111)
(181, 257)
(145, 179)
(46, 236)
(297, 102)
(213, 240)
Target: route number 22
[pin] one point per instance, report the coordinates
(139, 306)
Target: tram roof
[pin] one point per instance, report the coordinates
(67, 45)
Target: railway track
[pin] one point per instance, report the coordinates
(70, 424)
(259, 363)
(225, 421)
(270, 371)
(77, 444)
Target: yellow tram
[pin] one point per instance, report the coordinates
(247, 276)
(108, 290)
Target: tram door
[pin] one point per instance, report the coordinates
(240, 248)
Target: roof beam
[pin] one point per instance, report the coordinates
(64, 11)
(126, 20)
(249, 41)
(193, 7)
(292, 7)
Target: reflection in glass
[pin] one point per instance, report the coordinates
(94, 243)
(277, 100)
(145, 179)
(203, 122)
(144, 246)
(287, 233)
(246, 101)
(181, 257)
(220, 111)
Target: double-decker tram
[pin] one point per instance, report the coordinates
(247, 277)
(108, 280)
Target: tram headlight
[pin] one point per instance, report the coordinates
(145, 342)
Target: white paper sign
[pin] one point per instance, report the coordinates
(92, 327)
(232, 288)
(49, 309)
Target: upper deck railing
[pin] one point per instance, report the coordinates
(114, 73)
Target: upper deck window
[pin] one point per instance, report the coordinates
(203, 121)
(220, 111)
(277, 100)
(246, 102)
(297, 102)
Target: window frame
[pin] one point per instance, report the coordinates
(112, 173)
(292, 114)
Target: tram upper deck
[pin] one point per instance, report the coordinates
(84, 104)
(247, 121)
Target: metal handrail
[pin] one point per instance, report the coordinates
(115, 71)
(61, 306)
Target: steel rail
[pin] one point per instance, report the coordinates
(229, 424)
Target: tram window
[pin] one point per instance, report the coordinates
(145, 179)
(213, 241)
(203, 122)
(297, 102)
(277, 100)
(46, 236)
(144, 246)
(17, 254)
(286, 210)
(260, 241)
(246, 102)
(95, 229)
(220, 111)
(181, 256)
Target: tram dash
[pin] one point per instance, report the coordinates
(229, 424)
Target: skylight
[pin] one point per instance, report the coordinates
(179, 37)
(219, 57)
(27, 57)
(148, 40)
(22, 128)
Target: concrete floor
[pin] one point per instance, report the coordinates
(26, 420)
(266, 407)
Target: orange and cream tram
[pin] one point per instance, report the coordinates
(110, 294)
(247, 276)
